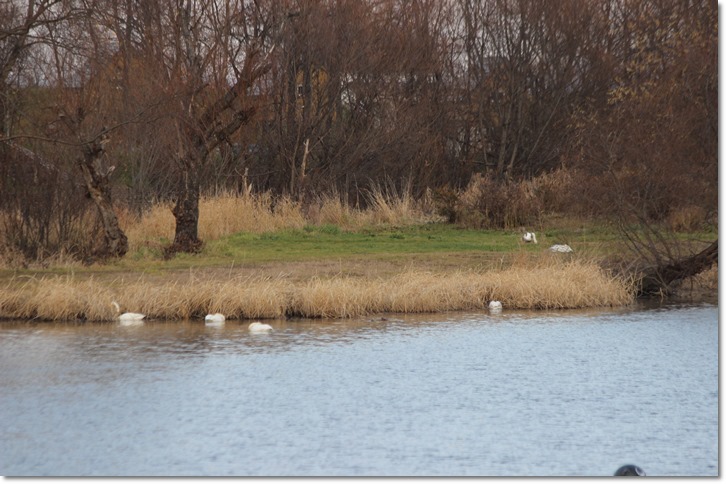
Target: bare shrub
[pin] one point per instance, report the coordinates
(489, 203)
(690, 218)
(43, 212)
(555, 190)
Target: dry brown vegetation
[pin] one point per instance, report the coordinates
(228, 213)
(220, 216)
(549, 283)
(495, 115)
(100, 114)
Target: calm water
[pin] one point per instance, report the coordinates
(565, 393)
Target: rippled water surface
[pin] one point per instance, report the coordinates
(545, 393)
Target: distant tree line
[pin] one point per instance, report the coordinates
(124, 102)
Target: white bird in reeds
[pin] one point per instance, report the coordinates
(215, 318)
(128, 318)
(561, 248)
(258, 327)
(529, 237)
(495, 306)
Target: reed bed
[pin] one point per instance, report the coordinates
(553, 285)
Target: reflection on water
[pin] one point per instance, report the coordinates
(545, 393)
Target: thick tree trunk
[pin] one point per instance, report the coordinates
(97, 183)
(186, 211)
(658, 279)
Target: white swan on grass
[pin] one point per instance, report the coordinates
(495, 306)
(258, 327)
(561, 248)
(128, 318)
(215, 318)
(529, 237)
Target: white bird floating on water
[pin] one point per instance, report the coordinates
(495, 306)
(258, 327)
(215, 318)
(128, 318)
(529, 237)
(561, 248)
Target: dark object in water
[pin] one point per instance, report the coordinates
(630, 470)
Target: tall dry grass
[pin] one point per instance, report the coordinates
(227, 213)
(487, 202)
(219, 216)
(548, 285)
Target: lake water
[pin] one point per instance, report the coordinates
(515, 394)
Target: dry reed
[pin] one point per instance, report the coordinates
(219, 216)
(226, 214)
(549, 285)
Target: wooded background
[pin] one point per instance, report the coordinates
(109, 103)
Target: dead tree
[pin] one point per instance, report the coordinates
(96, 176)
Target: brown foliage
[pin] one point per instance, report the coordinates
(309, 97)
(489, 203)
(45, 214)
(653, 147)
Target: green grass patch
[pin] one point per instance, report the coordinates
(332, 242)
(435, 242)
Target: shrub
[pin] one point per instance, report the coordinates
(43, 211)
(490, 203)
(690, 218)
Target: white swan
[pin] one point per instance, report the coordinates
(128, 318)
(529, 237)
(495, 306)
(561, 248)
(258, 327)
(214, 318)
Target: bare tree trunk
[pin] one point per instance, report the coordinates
(657, 279)
(300, 187)
(96, 178)
(186, 211)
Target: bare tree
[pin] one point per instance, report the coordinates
(68, 50)
(524, 68)
(208, 58)
(651, 150)
(81, 74)
(214, 100)
(302, 96)
(22, 27)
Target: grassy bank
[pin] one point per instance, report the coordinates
(547, 285)
(308, 250)
(267, 259)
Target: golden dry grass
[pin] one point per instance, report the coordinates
(548, 285)
(219, 216)
(226, 214)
